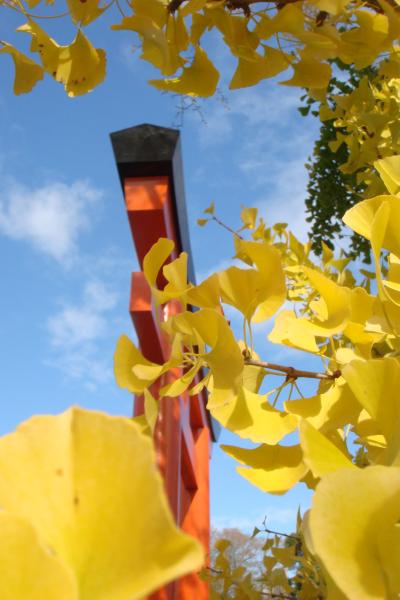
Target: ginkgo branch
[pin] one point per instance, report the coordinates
(225, 226)
(291, 372)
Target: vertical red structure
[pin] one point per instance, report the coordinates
(149, 164)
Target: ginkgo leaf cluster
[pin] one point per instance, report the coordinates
(296, 41)
(344, 436)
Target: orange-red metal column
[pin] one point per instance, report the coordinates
(149, 164)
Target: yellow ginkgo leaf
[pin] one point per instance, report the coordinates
(192, 6)
(81, 66)
(180, 384)
(289, 19)
(206, 294)
(132, 370)
(150, 410)
(251, 417)
(319, 453)
(88, 484)
(44, 45)
(28, 568)
(272, 285)
(332, 309)
(175, 272)
(27, 72)
(176, 32)
(333, 306)
(241, 288)
(248, 217)
(199, 79)
(354, 532)
(310, 73)
(389, 171)
(212, 329)
(329, 410)
(85, 12)
(274, 469)
(333, 7)
(155, 48)
(125, 357)
(360, 218)
(293, 332)
(375, 384)
(252, 70)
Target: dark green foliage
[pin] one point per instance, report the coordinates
(330, 192)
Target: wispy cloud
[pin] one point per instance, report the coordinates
(49, 218)
(271, 154)
(77, 333)
(247, 109)
(281, 518)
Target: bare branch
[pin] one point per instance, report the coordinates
(292, 373)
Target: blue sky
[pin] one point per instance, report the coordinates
(66, 250)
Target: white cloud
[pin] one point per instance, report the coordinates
(271, 143)
(283, 519)
(50, 217)
(259, 112)
(78, 332)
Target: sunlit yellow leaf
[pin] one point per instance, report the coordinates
(176, 32)
(150, 409)
(253, 376)
(274, 469)
(329, 410)
(289, 19)
(29, 569)
(252, 417)
(206, 294)
(199, 79)
(333, 307)
(84, 12)
(27, 72)
(82, 67)
(272, 286)
(79, 67)
(44, 45)
(210, 210)
(334, 7)
(360, 218)
(211, 328)
(248, 217)
(375, 384)
(250, 71)
(354, 532)
(389, 171)
(310, 73)
(241, 288)
(293, 332)
(131, 369)
(90, 488)
(156, 10)
(149, 23)
(175, 272)
(319, 453)
(192, 6)
(179, 385)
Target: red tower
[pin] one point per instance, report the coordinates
(149, 163)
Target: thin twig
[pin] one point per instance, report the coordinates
(214, 218)
(293, 373)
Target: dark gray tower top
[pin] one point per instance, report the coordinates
(149, 150)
